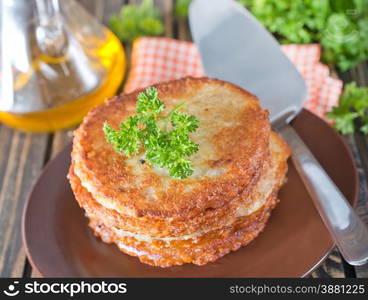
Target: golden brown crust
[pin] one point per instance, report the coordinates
(241, 149)
(201, 250)
(270, 181)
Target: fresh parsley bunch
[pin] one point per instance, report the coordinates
(340, 26)
(352, 110)
(134, 21)
(345, 40)
(293, 21)
(164, 138)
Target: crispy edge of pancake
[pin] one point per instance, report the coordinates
(201, 250)
(213, 219)
(210, 193)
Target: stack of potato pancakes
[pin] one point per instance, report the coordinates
(238, 171)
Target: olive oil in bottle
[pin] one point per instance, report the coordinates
(58, 63)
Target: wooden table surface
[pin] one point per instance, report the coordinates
(23, 155)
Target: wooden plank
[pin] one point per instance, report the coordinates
(24, 155)
(331, 268)
(183, 30)
(60, 140)
(99, 9)
(5, 144)
(166, 7)
(88, 5)
(102, 9)
(111, 7)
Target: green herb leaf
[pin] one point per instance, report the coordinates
(163, 138)
(181, 8)
(340, 26)
(352, 110)
(134, 21)
(364, 127)
(184, 122)
(126, 139)
(149, 104)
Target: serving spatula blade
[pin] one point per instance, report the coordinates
(234, 48)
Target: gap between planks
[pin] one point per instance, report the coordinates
(21, 162)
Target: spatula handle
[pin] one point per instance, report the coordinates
(349, 232)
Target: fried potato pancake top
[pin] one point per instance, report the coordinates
(233, 139)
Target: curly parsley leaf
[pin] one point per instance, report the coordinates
(126, 139)
(164, 138)
(149, 104)
(352, 110)
(184, 122)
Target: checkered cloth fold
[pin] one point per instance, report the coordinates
(156, 59)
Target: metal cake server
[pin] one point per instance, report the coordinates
(235, 47)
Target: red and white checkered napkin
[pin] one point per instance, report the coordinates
(160, 59)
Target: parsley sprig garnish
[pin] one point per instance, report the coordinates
(163, 138)
(352, 111)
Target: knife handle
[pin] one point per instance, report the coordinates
(349, 232)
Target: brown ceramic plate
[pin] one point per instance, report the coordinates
(295, 241)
